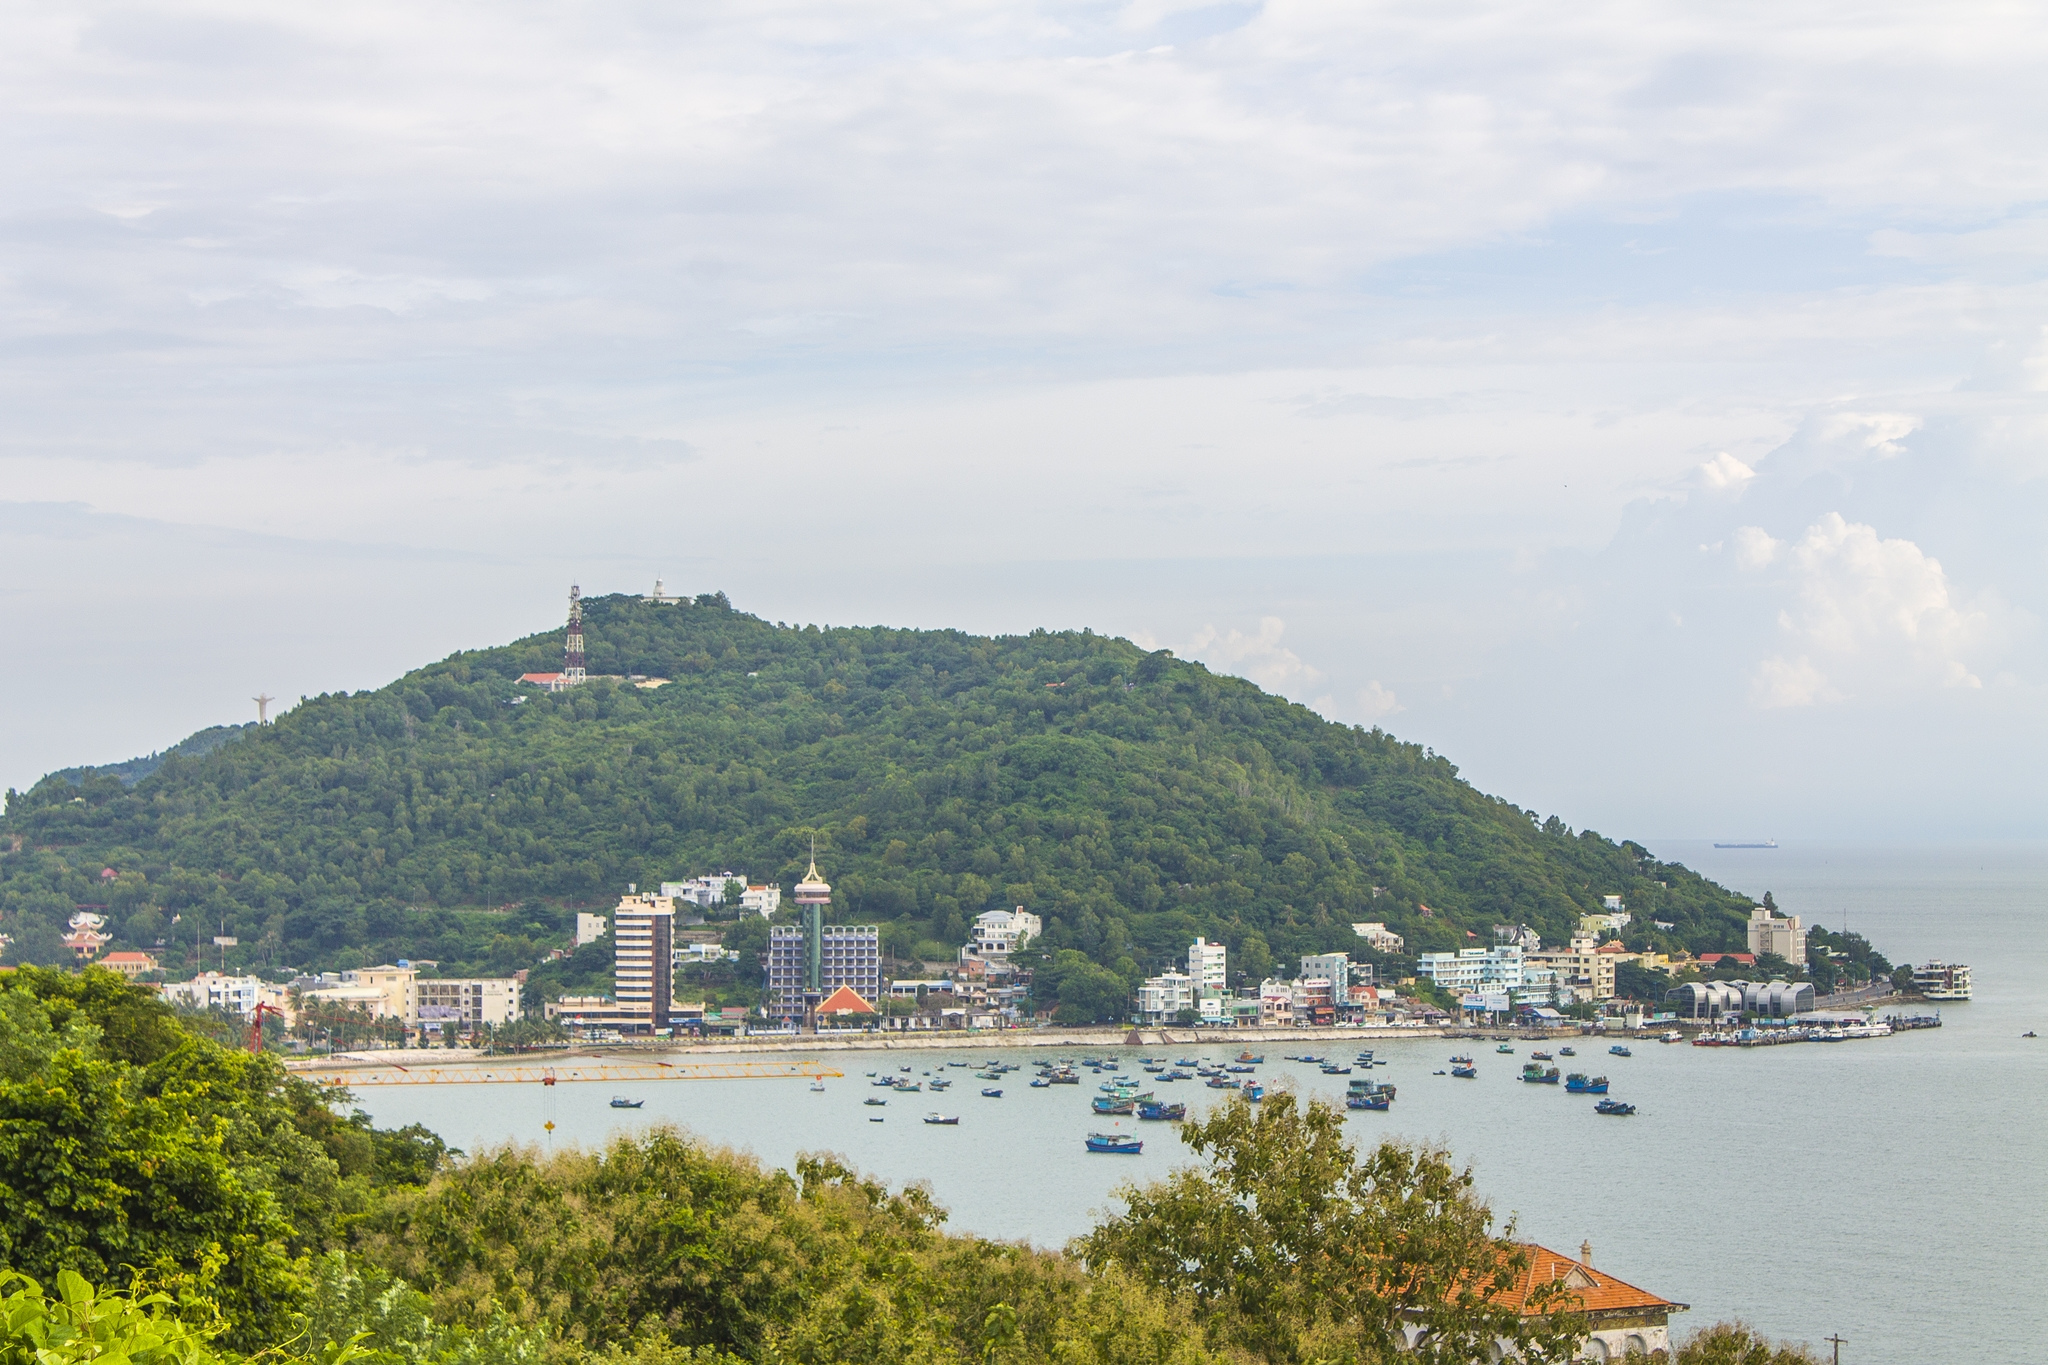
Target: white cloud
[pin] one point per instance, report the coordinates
(1879, 433)
(1724, 472)
(1260, 657)
(1873, 610)
(1754, 547)
(1789, 682)
(1377, 701)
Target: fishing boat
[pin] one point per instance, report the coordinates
(909, 1087)
(1239, 1069)
(938, 1084)
(1615, 1107)
(1619, 1051)
(1368, 1095)
(1222, 1083)
(943, 1120)
(1578, 1083)
(1567, 1052)
(1461, 1061)
(874, 1118)
(1103, 1104)
(1336, 1071)
(1539, 1057)
(991, 1093)
(817, 1087)
(1467, 1072)
(1169, 1113)
(1539, 1075)
(1041, 1084)
(1255, 1092)
(621, 1102)
(1506, 1047)
(1116, 1144)
(874, 1100)
(1065, 1078)
(1249, 1060)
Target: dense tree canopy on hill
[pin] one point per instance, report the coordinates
(1132, 799)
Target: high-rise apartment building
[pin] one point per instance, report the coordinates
(643, 956)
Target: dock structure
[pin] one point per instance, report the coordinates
(544, 1074)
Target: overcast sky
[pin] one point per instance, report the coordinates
(1641, 404)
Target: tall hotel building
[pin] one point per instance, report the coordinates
(809, 961)
(643, 957)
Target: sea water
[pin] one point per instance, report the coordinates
(1892, 1191)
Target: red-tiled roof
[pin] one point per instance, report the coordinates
(111, 958)
(1592, 1291)
(1612, 946)
(845, 1000)
(539, 677)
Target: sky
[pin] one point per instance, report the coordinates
(1645, 406)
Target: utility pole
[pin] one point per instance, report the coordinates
(1840, 1341)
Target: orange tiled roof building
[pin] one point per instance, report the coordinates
(845, 1000)
(1622, 1319)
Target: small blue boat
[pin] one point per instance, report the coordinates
(1619, 1051)
(991, 1093)
(1578, 1083)
(1103, 1104)
(1041, 1084)
(1614, 1107)
(1465, 1073)
(1255, 1092)
(1116, 1144)
(1169, 1113)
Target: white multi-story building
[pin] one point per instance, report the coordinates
(763, 898)
(466, 1004)
(1276, 1002)
(211, 990)
(707, 893)
(1780, 934)
(1474, 969)
(1332, 967)
(998, 933)
(1379, 938)
(1163, 997)
(1206, 964)
(589, 928)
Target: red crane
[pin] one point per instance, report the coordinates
(263, 1007)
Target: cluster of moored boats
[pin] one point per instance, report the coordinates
(1794, 1033)
(1536, 1073)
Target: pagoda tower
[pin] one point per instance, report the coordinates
(814, 894)
(572, 649)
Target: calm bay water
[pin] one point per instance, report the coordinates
(1890, 1190)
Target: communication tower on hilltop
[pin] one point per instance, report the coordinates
(572, 649)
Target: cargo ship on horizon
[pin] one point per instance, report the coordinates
(1759, 843)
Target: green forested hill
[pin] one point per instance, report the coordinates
(1132, 799)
